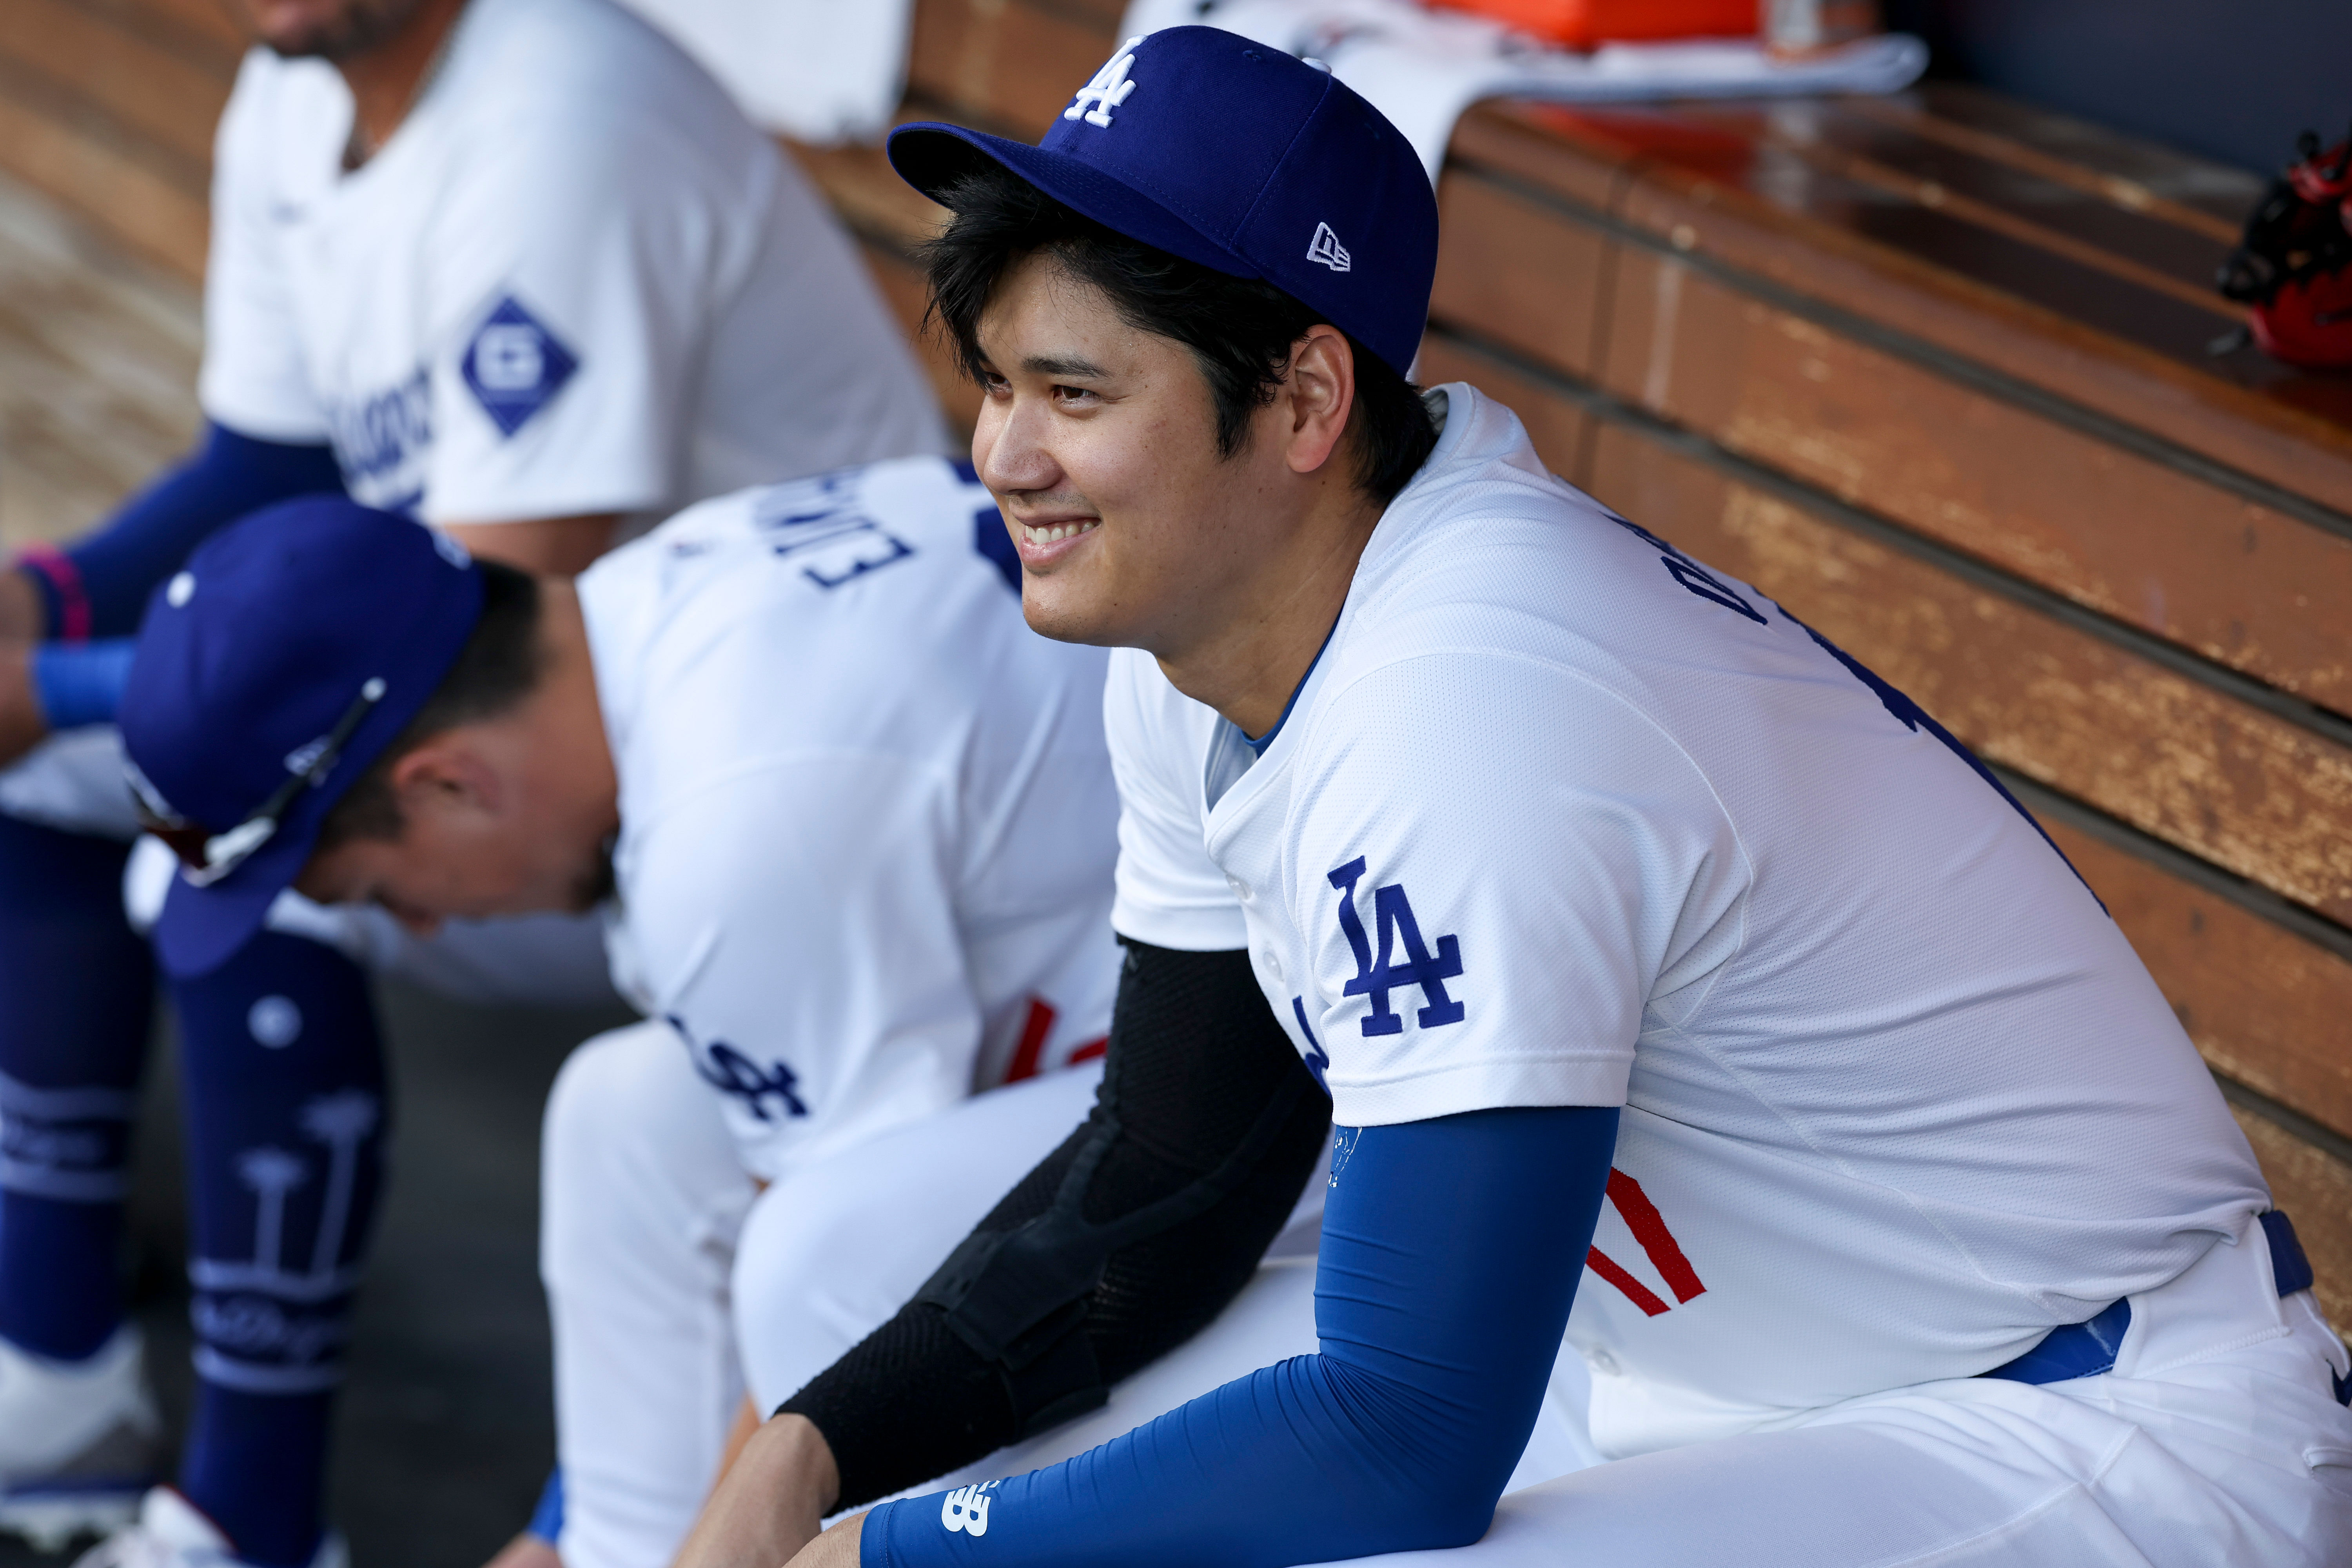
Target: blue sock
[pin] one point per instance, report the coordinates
(287, 1122)
(76, 992)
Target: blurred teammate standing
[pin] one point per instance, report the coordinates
(516, 268)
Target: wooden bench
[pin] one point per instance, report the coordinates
(1944, 374)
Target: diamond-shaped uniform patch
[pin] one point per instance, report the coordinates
(515, 365)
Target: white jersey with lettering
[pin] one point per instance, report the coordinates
(1562, 817)
(868, 823)
(574, 280)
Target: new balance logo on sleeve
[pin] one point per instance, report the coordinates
(1110, 87)
(1326, 249)
(965, 1510)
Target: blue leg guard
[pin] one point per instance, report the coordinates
(286, 1124)
(77, 993)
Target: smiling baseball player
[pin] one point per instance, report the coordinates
(1683, 991)
(520, 268)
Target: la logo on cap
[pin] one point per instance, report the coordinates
(1109, 89)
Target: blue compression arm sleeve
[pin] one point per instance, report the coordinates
(1439, 1311)
(99, 586)
(81, 683)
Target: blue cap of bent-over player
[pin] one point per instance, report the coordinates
(1232, 154)
(270, 671)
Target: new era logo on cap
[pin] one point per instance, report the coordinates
(1326, 249)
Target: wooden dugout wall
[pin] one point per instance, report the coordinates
(1943, 374)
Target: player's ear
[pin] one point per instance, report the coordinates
(444, 779)
(1318, 396)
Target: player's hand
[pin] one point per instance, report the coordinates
(22, 725)
(770, 1503)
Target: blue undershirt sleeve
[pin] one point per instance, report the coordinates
(81, 683)
(97, 587)
(1450, 1253)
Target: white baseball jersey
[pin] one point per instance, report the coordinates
(574, 280)
(867, 819)
(1561, 818)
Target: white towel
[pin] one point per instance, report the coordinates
(816, 70)
(1422, 68)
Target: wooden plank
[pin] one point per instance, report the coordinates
(1518, 271)
(1010, 64)
(98, 369)
(2266, 1006)
(2060, 216)
(140, 84)
(2212, 571)
(212, 29)
(2233, 784)
(2131, 172)
(1871, 253)
(156, 216)
(2314, 1188)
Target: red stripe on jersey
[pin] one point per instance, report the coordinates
(1039, 1025)
(1649, 1228)
(1099, 1045)
(1601, 1263)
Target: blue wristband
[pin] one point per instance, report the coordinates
(80, 683)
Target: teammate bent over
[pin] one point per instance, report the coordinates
(517, 267)
(1683, 991)
(859, 823)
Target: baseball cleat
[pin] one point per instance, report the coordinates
(79, 1441)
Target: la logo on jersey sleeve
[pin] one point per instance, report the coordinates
(514, 365)
(1379, 977)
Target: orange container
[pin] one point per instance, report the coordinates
(1581, 24)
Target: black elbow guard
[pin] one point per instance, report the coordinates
(1121, 1245)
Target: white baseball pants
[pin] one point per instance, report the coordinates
(2215, 1440)
(660, 1260)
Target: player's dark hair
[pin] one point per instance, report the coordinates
(1240, 330)
(497, 667)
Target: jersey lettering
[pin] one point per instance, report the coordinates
(1649, 1227)
(1690, 574)
(730, 1071)
(817, 521)
(1393, 913)
(965, 1510)
(381, 442)
(1917, 719)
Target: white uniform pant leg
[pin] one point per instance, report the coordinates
(832, 1251)
(2201, 1448)
(642, 1199)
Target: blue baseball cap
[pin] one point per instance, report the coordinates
(270, 671)
(1235, 155)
